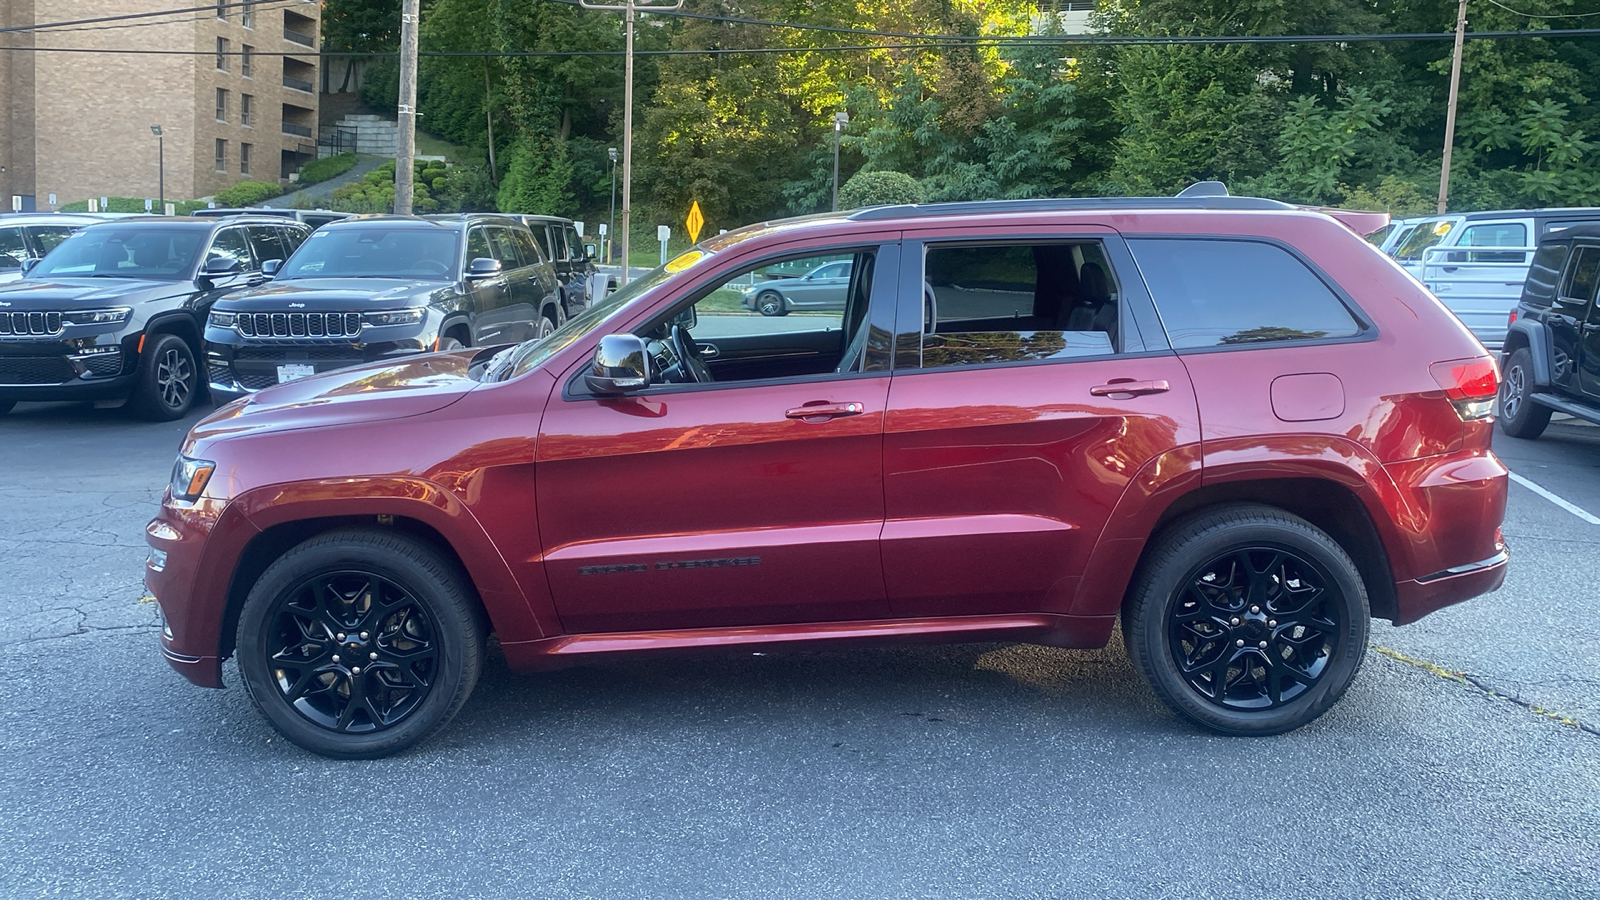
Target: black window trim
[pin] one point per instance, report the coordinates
(1568, 269)
(1132, 299)
(1369, 329)
(574, 388)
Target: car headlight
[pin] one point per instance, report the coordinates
(189, 477)
(411, 316)
(114, 316)
(222, 319)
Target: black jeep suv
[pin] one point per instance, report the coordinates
(1551, 358)
(116, 312)
(374, 288)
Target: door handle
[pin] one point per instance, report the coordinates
(824, 411)
(709, 351)
(1130, 387)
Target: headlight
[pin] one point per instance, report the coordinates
(189, 477)
(222, 319)
(114, 316)
(411, 316)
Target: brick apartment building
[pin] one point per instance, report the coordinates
(76, 120)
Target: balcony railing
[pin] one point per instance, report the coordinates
(299, 37)
(297, 130)
(299, 84)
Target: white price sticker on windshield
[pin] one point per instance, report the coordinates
(290, 373)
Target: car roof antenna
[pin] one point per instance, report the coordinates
(1205, 189)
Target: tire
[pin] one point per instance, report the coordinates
(1520, 417)
(449, 342)
(168, 379)
(771, 303)
(547, 327)
(427, 645)
(1281, 660)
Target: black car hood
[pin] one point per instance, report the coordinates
(335, 295)
(86, 293)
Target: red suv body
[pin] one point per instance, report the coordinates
(1232, 423)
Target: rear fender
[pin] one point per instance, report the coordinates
(1536, 338)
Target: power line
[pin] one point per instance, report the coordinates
(43, 26)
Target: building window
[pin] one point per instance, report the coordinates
(244, 159)
(222, 155)
(247, 16)
(244, 109)
(222, 105)
(244, 60)
(222, 54)
(222, 9)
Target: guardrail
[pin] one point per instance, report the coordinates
(1481, 285)
(299, 84)
(297, 130)
(299, 37)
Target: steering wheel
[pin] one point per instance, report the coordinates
(688, 353)
(430, 266)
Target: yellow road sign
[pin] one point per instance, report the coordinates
(695, 222)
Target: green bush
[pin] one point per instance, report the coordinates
(879, 189)
(136, 205)
(247, 193)
(374, 193)
(320, 170)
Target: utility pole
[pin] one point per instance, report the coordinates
(406, 149)
(611, 244)
(628, 8)
(488, 112)
(840, 119)
(1450, 112)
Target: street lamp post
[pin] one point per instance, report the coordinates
(840, 119)
(612, 228)
(161, 165)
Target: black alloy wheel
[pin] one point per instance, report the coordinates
(1247, 620)
(547, 327)
(168, 379)
(770, 303)
(359, 643)
(1520, 417)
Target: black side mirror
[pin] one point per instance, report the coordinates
(621, 365)
(222, 267)
(588, 251)
(271, 267)
(28, 264)
(483, 267)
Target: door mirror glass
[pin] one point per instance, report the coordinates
(589, 250)
(271, 267)
(621, 365)
(222, 267)
(483, 267)
(28, 264)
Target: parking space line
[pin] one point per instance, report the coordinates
(1576, 510)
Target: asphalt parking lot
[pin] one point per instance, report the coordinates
(1464, 762)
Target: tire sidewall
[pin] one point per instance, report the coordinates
(459, 643)
(772, 299)
(1531, 418)
(1159, 592)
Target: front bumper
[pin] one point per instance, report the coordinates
(58, 370)
(236, 368)
(191, 594)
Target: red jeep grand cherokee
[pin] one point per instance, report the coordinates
(1230, 422)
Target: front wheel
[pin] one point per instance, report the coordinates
(359, 643)
(770, 303)
(1520, 417)
(1247, 620)
(547, 327)
(168, 379)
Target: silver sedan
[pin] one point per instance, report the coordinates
(824, 287)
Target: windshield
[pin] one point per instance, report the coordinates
(420, 254)
(528, 356)
(165, 254)
(1426, 235)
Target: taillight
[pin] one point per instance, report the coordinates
(1513, 320)
(1471, 385)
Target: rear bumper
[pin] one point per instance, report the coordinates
(1421, 596)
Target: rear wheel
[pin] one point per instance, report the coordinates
(359, 643)
(547, 326)
(168, 379)
(449, 342)
(1248, 621)
(1520, 417)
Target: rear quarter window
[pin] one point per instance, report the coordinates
(1540, 288)
(1224, 293)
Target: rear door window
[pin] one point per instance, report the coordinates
(1578, 287)
(1223, 293)
(505, 248)
(530, 247)
(293, 237)
(264, 240)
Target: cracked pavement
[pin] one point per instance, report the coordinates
(1458, 764)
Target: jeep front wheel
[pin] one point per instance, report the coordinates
(1247, 620)
(359, 643)
(1520, 417)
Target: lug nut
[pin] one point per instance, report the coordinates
(356, 671)
(336, 657)
(1272, 623)
(363, 635)
(339, 636)
(1255, 609)
(1262, 645)
(1233, 621)
(1239, 642)
(372, 655)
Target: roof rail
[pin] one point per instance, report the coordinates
(1064, 205)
